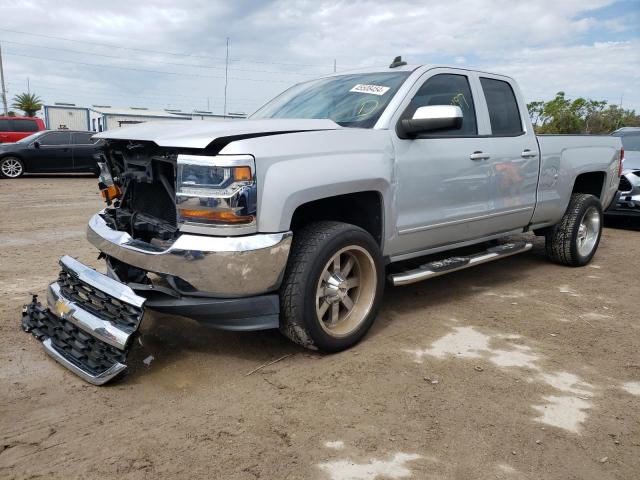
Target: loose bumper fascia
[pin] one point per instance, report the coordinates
(627, 203)
(219, 266)
(99, 379)
(69, 321)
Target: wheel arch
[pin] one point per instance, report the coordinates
(592, 183)
(364, 209)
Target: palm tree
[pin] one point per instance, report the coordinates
(29, 103)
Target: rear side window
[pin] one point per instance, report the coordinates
(55, 138)
(23, 125)
(503, 107)
(4, 125)
(447, 89)
(82, 138)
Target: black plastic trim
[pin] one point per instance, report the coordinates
(240, 314)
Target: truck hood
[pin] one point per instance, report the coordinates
(202, 133)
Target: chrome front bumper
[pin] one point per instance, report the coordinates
(627, 198)
(220, 266)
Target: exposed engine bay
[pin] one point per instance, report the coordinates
(143, 190)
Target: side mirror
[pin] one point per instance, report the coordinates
(36, 144)
(430, 119)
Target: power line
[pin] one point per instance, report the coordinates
(160, 101)
(144, 50)
(211, 67)
(159, 96)
(183, 74)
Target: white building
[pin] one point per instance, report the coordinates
(66, 116)
(105, 117)
(98, 118)
(209, 116)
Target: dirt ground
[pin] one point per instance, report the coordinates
(519, 369)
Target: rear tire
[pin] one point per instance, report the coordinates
(333, 284)
(575, 239)
(11, 167)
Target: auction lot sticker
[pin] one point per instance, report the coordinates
(372, 89)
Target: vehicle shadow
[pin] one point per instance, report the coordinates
(623, 223)
(169, 338)
(57, 175)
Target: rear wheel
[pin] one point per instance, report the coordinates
(11, 167)
(331, 292)
(575, 239)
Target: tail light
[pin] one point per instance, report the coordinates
(621, 162)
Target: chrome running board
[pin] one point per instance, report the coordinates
(453, 264)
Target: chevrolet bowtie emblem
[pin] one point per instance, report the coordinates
(62, 309)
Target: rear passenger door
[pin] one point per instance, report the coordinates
(514, 153)
(83, 150)
(53, 153)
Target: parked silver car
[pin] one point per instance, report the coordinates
(627, 200)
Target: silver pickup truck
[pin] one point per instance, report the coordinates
(296, 218)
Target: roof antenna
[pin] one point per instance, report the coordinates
(397, 62)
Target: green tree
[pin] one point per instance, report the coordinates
(563, 115)
(29, 103)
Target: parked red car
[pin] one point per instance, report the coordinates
(13, 129)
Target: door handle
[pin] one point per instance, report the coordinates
(528, 154)
(479, 156)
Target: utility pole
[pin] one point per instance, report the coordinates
(28, 86)
(226, 79)
(4, 90)
(208, 104)
(334, 65)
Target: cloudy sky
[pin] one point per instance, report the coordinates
(171, 54)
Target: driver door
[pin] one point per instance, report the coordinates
(53, 153)
(444, 177)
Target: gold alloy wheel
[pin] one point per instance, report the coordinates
(346, 291)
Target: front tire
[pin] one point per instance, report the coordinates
(575, 239)
(332, 287)
(11, 167)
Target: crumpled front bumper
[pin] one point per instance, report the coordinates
(89, 321)
(218, 266)
(627, 199)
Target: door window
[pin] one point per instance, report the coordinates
(4, 125)
(23, 125)
(503, 107)
(447, 89)
(55, 138)
(82, 138)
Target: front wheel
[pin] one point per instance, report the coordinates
(332, 287)
(11, 167)
(575, 239)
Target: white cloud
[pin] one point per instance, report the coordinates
(547, 45)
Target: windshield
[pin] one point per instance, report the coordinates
(355, 100)
(630, 141)
(31, 138)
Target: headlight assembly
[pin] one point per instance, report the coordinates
(218, 190)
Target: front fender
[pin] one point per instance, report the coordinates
(297, 168)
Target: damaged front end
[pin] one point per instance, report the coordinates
(178, 236)
(88, 323)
